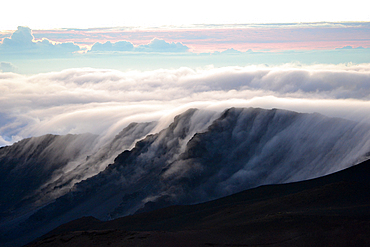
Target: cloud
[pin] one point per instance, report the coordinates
(22, 38)
(117, 46)
(104, 101)
(159, 45)
(231, 51)
(345, 47)
(348, 47)
(161, 48)
(7, 67)
(210, 38)
(156, 45)
(22, 42)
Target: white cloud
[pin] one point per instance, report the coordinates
(159, 45)
(22, 43)
(156, 45)
(22, 46)
(104, 101)
(117, 46)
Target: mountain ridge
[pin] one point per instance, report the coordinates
(198, 158)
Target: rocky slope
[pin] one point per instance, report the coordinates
(30, 163)
(189, 163)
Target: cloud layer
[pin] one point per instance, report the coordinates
(209, 38)
(104, 101)
(23, 43)
(128, 49)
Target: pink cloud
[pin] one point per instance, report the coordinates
(209, 39)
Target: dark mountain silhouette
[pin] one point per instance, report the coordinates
(30, 163)
(195, 159)
(333, 210)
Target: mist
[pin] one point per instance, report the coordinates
(103, 102)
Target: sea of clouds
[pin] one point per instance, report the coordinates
(105, 101)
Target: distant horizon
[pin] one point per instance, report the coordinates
(219, 37)
(171, 48)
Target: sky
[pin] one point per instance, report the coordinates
(28, 51)
(77, 66)
(42, 14)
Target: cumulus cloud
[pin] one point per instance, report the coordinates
(22, 42)
(348, 47)
(231, 51)
(156, 45)
(159, 45)
(21, 38)
(105, 101)
(117, 46)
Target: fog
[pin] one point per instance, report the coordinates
(103, 102)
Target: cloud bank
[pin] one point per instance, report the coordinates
(156, 45)
(104, 101)
(117, 46)
(159, 45)
(210, 38)
(22, 42)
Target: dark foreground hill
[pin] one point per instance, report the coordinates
(333, 210)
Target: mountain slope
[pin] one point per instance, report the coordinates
(37, 170)
(189, 163)
(30, 163)
(97, 161)
(333, 210)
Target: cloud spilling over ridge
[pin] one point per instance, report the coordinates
(105, 101)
